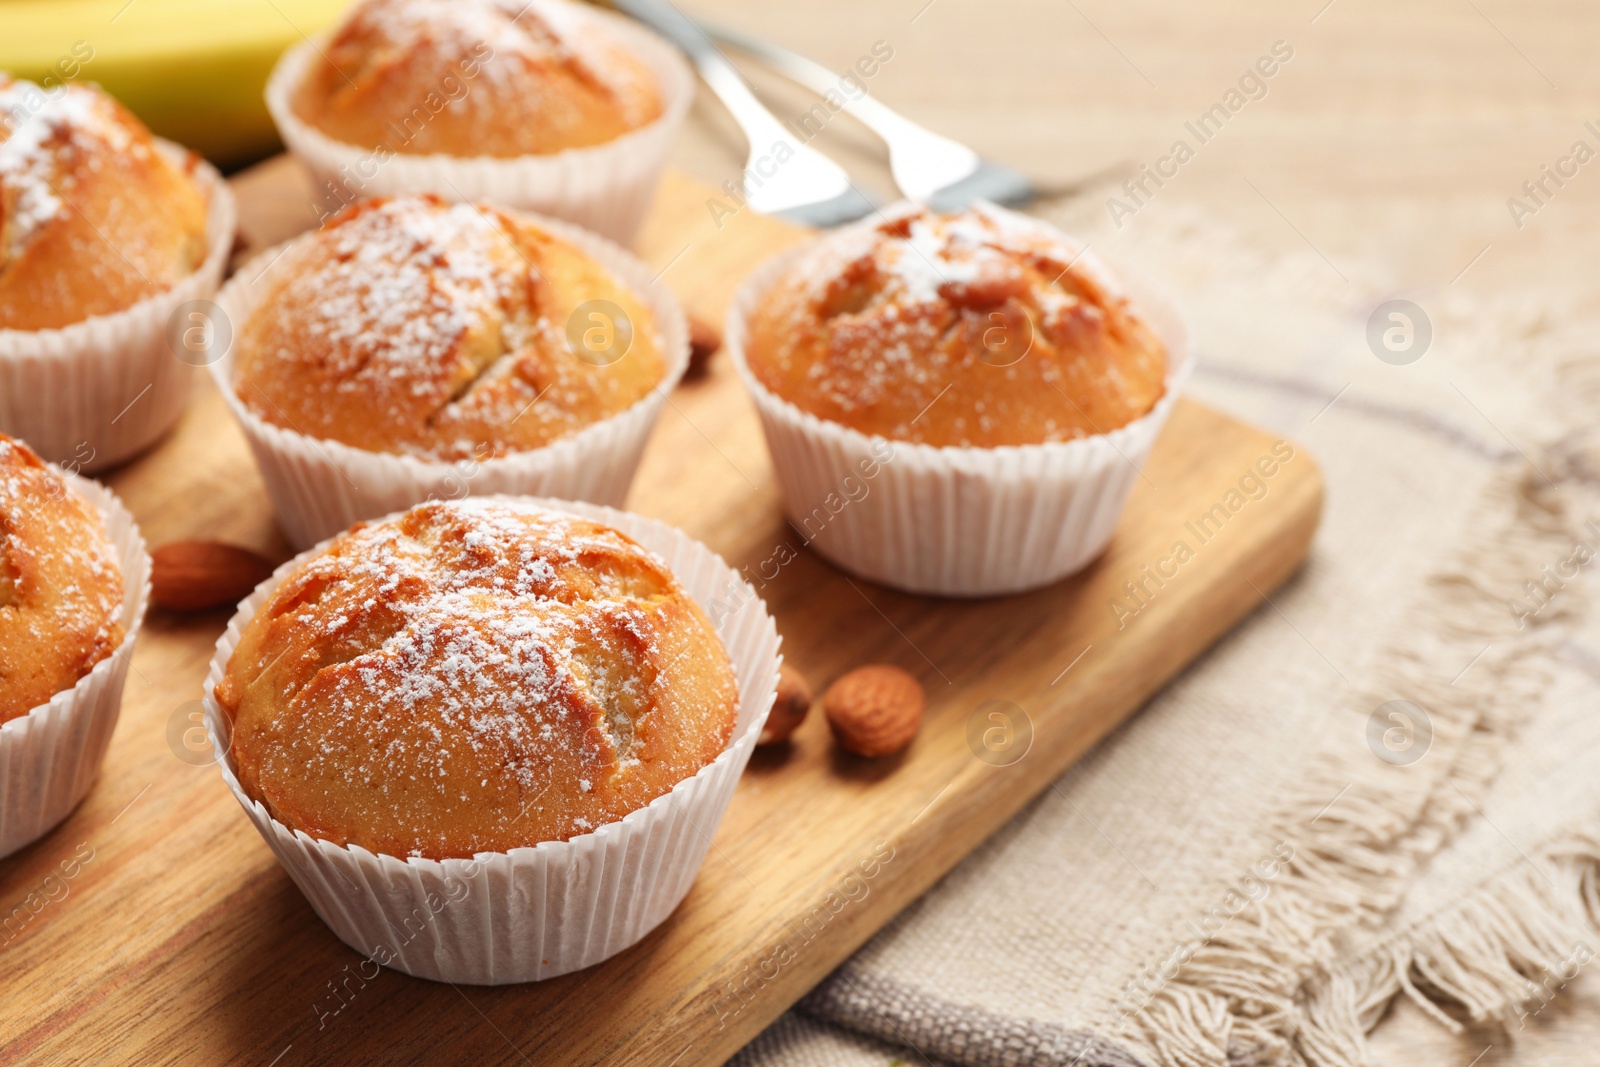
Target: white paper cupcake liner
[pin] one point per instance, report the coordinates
(51, 756)
(320, 487)
(94, 393)
(955, 521)
(606, 188)
(533, 913)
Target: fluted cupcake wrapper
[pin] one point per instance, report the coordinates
(606, 188)
(51, 756)
(954, 521)
(94, 393)
(320, 487)
(533, 913)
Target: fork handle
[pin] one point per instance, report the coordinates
(760, 126)
(873, 114)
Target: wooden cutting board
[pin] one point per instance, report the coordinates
(154, 925)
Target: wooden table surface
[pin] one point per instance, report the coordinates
(1395, 135)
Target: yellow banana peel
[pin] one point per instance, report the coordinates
(193, 70)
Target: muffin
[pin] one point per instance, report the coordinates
(534, 78)
(417, 349)
(545, 105)
(491, 739)
(474, 677)
(60, 585)
(957, 403)
(104, 231)
(97, 218)
(980, 328)
(74, 578)
(439, 331)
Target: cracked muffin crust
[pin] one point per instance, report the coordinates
(440, 331)
(93, 216)
(60, 584)
(979, 328)
(464, 78)
(474, 676)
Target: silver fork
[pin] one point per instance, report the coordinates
(782, 176)
(944, 174)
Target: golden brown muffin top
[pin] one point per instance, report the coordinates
(440, 331)
(980, 328)
(474, 676)
(476, 78)
(93, 217)
(60, 584)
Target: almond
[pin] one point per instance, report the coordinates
(704, 340)
(874, 710)
(789, 709)
(197, 575)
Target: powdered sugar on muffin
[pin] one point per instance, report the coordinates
(982, 327)
(436, 330)
(60, 585)
(95, 218)
(474, 676)
(510, 78)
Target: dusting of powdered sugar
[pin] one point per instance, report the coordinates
(872, 325)
(426, 328)
(931, 256)
(916, 261)
(38, 123)
(940, 252)
(537, 32)
(378, 306)
(494, 646)
(453, 28)
(403, 287)
(69, 585)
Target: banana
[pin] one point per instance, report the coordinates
(192, 70)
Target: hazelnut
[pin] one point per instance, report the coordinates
(874, 710)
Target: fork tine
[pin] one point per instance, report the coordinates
(928, 166)
(994, 182)
(848, 206)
